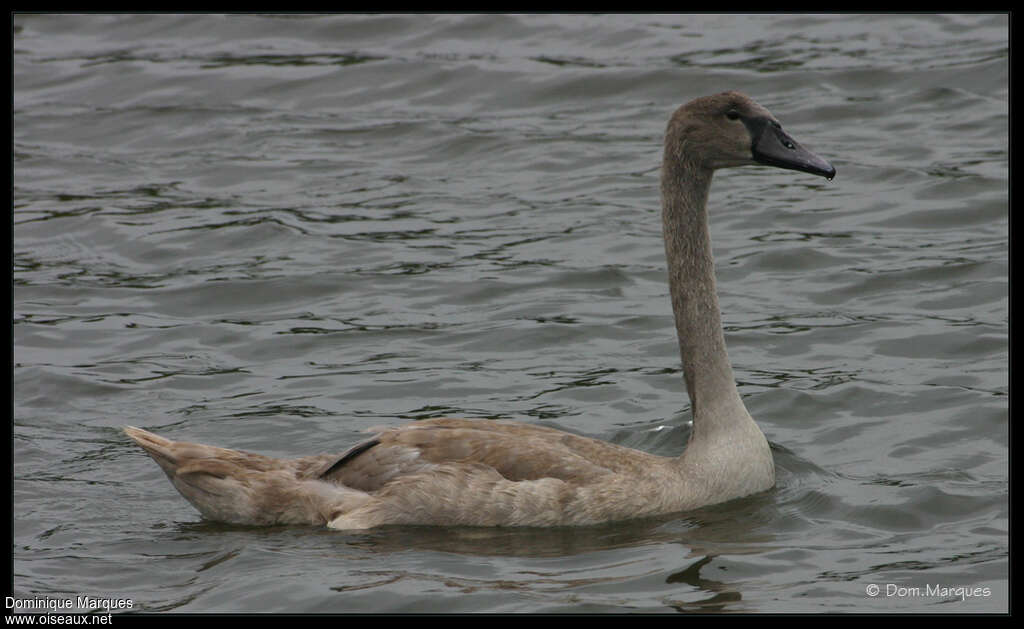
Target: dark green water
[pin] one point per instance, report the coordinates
(274, 232)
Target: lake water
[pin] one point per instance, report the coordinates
(273, 232)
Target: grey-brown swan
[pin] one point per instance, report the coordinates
(490, 473)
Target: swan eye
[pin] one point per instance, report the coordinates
(732, 114)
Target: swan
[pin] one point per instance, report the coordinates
(493, 473)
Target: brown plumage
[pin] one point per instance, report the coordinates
(489, 473)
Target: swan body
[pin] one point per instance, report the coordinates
(489, 473)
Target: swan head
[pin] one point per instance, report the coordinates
(731, 129)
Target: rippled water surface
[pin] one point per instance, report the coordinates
(273, 232)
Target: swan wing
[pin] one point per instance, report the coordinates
(518, 452)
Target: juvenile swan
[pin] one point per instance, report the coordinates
(488, 473)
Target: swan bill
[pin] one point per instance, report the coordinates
(772, 146)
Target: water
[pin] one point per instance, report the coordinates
(273, 232)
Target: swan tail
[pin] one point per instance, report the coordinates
(244, 488)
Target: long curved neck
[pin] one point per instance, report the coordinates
(691, 274)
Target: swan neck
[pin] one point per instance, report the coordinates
(691, 273)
